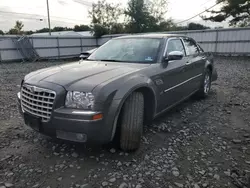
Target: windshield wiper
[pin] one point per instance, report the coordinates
(111, 60)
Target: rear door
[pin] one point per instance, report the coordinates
(194, 66)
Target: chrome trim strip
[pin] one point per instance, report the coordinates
(77, 120)
(175, 38)
(173, 105)
(182, 83)
(85, 112)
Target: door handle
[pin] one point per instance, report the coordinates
(188, 63)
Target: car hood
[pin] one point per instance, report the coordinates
(83, 75)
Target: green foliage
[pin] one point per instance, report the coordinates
(158, 9)
(104, 17)
(17, 30)
(196, 26)
(57, 29)
(117, 28)
(138, 16)
(167, 25)
(237, 11)
(18, 27)
(147, 17)
(43, 30)
(81, 28)
(1, 32)
(13, 32)
(28, 32)
(100, 30)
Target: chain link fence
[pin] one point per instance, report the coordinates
(26, 49)
(232, 41)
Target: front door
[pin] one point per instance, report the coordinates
(173, 76)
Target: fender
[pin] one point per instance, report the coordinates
(207, 64)
(134, 83)
(210, 63)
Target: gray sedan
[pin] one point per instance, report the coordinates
(120, 87)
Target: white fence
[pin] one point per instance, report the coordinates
(232, 41)
(47, 47)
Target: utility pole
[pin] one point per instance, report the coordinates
(48, 16)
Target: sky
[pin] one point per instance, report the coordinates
(33, 13)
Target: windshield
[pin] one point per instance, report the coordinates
(142, 50)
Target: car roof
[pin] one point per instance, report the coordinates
(151, 35)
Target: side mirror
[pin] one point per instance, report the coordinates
(174, 55)
(84, 55)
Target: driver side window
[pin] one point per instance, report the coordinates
(175, 45)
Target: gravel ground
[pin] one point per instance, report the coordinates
(203, 143)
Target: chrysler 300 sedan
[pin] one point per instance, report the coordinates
(120, 87)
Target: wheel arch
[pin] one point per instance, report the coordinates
(209, 66)
(149, 106)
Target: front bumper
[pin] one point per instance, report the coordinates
(72, 125)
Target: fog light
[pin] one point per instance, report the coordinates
(76, 137)
(80, 136)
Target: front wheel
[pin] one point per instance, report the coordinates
(132, 122)
(206, 85)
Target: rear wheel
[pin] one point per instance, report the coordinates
(132, 122)
(206, 85)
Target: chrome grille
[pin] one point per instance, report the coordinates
(37, 101)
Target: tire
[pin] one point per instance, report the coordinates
(132, 122)
(205, 85)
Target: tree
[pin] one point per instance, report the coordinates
(57, 29)
(158, 9)
(100, 30)
(12, 32)
(117, 28)
(138, 16)
(43, 30)
(196, 26)
(104, 16)
(1, 32)
(18, 27)
(147, 16)
(17, 30)
(167, 25)
(237, 11)
(28, 32)
(81, 28)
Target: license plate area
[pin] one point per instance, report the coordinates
(32, 121)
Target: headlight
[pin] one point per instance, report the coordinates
(76, 99)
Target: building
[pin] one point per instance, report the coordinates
(66, 33)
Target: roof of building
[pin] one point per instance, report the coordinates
(152, 35)
(63, 33)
